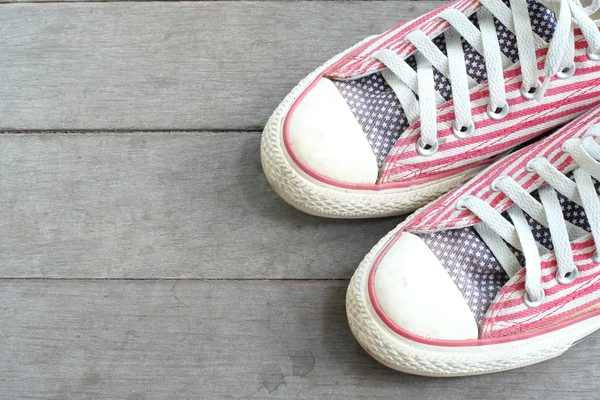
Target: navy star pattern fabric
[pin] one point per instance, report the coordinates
(377, 108)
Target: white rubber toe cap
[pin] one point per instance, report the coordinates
(417, 294)
(326, 137)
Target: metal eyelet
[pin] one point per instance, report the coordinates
(460, 204)
(567, 72)
(596, 257)
(568, 278)
(426, 149)
(498, 113)
(592, 55)
(529, 302)
(528, 167)
(566, 143)
(494, 186)
(531, 92)
(462, 132)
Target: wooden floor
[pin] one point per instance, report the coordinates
(142, 253)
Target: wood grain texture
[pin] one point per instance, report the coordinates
(171, 65)
(226, 339)
(163, 1)
(161, 205)
(134, 209)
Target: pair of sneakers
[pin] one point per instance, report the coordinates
(494, 105)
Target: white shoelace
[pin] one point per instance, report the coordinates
(416, 91)
(496, 231)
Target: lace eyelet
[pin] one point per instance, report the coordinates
(460, 204)
(462, 132)
(529, 302)
(592, 55)
(566, 73)
(426, 149)
(566, 143)
(529, 93)
(529, 167)
(596, 257)
(498, 113)
(569, 277)
(494, 186)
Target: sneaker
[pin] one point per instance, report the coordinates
(384, 127)
(500, 273)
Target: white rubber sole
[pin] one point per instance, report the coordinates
(402, 354)
(319, 198)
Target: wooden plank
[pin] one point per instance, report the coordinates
(148, 1)
(226, 339)
(108, 1)
(160, 205)
(171, 65)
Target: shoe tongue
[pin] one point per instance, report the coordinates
(376, 107)
(572, 213)
(473, 267)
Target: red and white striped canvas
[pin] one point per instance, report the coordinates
(508, 315)
(565, 100)
(359, 62)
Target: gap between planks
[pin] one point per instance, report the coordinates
(299, 280)
(161, 206)
(209, 132)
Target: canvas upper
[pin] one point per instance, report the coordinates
(349, 125)
(444, 274)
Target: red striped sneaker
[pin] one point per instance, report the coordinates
(446, 293)
(405, 116)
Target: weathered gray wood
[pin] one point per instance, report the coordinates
(186, 205)
(171, 65)
(160, 205)
(114, 1)
(226, 339)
